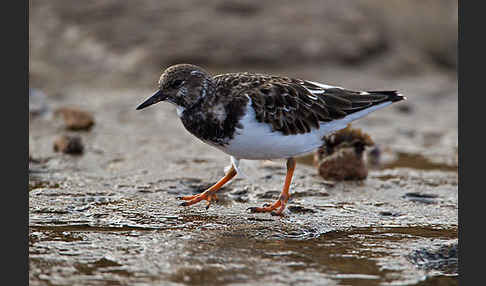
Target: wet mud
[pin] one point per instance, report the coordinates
(110, 215)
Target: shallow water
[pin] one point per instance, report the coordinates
(201, 250)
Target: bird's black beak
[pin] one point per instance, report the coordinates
(156, 97)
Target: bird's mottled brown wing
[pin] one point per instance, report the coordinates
(294, 106)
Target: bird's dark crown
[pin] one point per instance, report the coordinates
(184, 84)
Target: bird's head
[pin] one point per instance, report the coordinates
(182, 85)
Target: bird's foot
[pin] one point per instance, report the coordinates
(275, 209)
(206, 196)
(209, 194)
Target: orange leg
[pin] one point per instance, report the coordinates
(281, 202)
(209, 194)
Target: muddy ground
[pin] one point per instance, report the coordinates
(110, 216)
(107, 213)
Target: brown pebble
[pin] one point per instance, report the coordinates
(69, 145)
(300, 209)
(341, 156)
(76, 119)
(389, 213)
(344, 164)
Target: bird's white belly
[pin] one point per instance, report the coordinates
(257, 141)
(260, 143)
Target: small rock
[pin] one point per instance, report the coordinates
(76, 119)
(390, 213)
(341, 156)
(300, 209)
(421, 197)
(69, 145)
(345, 165)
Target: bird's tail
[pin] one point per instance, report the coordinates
(363, 103)
(392, 95)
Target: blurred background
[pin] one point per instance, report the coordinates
(102, 58)
(128, 43)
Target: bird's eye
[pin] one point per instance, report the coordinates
(177, 83)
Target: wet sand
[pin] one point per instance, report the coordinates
(110, 216)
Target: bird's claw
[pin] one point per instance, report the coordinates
(264, 210)
(190, 200)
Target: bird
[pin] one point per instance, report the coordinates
(257, 116)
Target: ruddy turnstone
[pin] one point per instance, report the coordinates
(256, 117)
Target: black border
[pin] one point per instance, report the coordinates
(15, 142)
(471, 47)
(460, 133)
